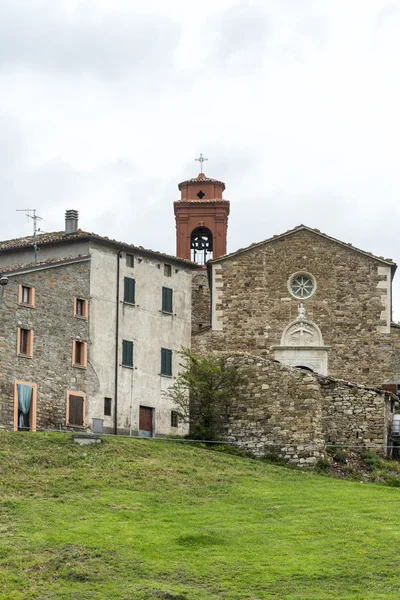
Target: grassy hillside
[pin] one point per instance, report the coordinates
(149, 519)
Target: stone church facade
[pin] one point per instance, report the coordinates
(304, 300)
(310, 301)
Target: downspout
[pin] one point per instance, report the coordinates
(116, 349)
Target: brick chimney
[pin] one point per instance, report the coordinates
(71, 221)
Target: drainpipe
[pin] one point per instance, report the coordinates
(116, 349)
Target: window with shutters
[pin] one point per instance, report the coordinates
(25, 342)
(129, 290)
(166, 300)
(174, 418)
(76, 408)
(26, 296)
(127, 353)
(130, 261)
(81, 308)
(107, 407)
(166, 362)
(79, 354)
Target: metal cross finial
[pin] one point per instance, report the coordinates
(201, 159)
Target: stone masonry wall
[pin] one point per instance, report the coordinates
(200, 300)
(354, 415)
(294, 413)
(55, 327)
(277, 409)
(252, 305)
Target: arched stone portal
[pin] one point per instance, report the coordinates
(302, 345)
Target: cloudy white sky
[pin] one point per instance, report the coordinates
(104, 105)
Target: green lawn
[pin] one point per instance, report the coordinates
(158, 520)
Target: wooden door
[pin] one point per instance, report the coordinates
(145, 421)
(75, 412)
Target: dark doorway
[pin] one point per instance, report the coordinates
(201, 245)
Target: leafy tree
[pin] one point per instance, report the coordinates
(201, 393)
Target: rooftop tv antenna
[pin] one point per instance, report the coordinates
(31, 214)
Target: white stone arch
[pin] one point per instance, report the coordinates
(302, 344)
(302, 333)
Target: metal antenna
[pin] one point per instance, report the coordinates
(31, 214)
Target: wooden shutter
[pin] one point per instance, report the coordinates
(75, 410)
(127, 353)
(166, 361)
(167, 300)
(129, 290)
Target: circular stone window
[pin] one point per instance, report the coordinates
(302, 285)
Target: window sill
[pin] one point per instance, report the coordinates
(79, 366)
(128, 303)
(166, 312)
(24, 355)
(26, 305)
(81, 318)
(127, 366)
(82, 427)
(167, 376)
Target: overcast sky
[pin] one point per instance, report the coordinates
(105, 104)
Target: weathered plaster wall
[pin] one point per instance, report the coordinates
(251, 304)
(146, 326)
(295, 413)
(55, 327)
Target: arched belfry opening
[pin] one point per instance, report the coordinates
(201, 245)
(201, 217)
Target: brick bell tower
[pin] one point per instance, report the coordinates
(201, 217)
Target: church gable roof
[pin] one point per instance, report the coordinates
(386, 261)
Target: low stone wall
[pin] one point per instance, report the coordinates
(355, 415)
(293, 414)
(277, 410)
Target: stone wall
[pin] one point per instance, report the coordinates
(252, 304)
(294, 413)
(355, 415)
(55, 327)
(200, 300)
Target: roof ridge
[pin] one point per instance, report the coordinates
(316, 231)
(60, 236)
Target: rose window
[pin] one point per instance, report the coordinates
(302, 285)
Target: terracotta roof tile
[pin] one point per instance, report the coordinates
(44, 263)
(61, 237)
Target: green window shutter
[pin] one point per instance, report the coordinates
(129, 290)
(127, 353)
(166, 362)
(169, 362)
(167, 300)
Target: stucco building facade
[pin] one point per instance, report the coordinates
(93, 329)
